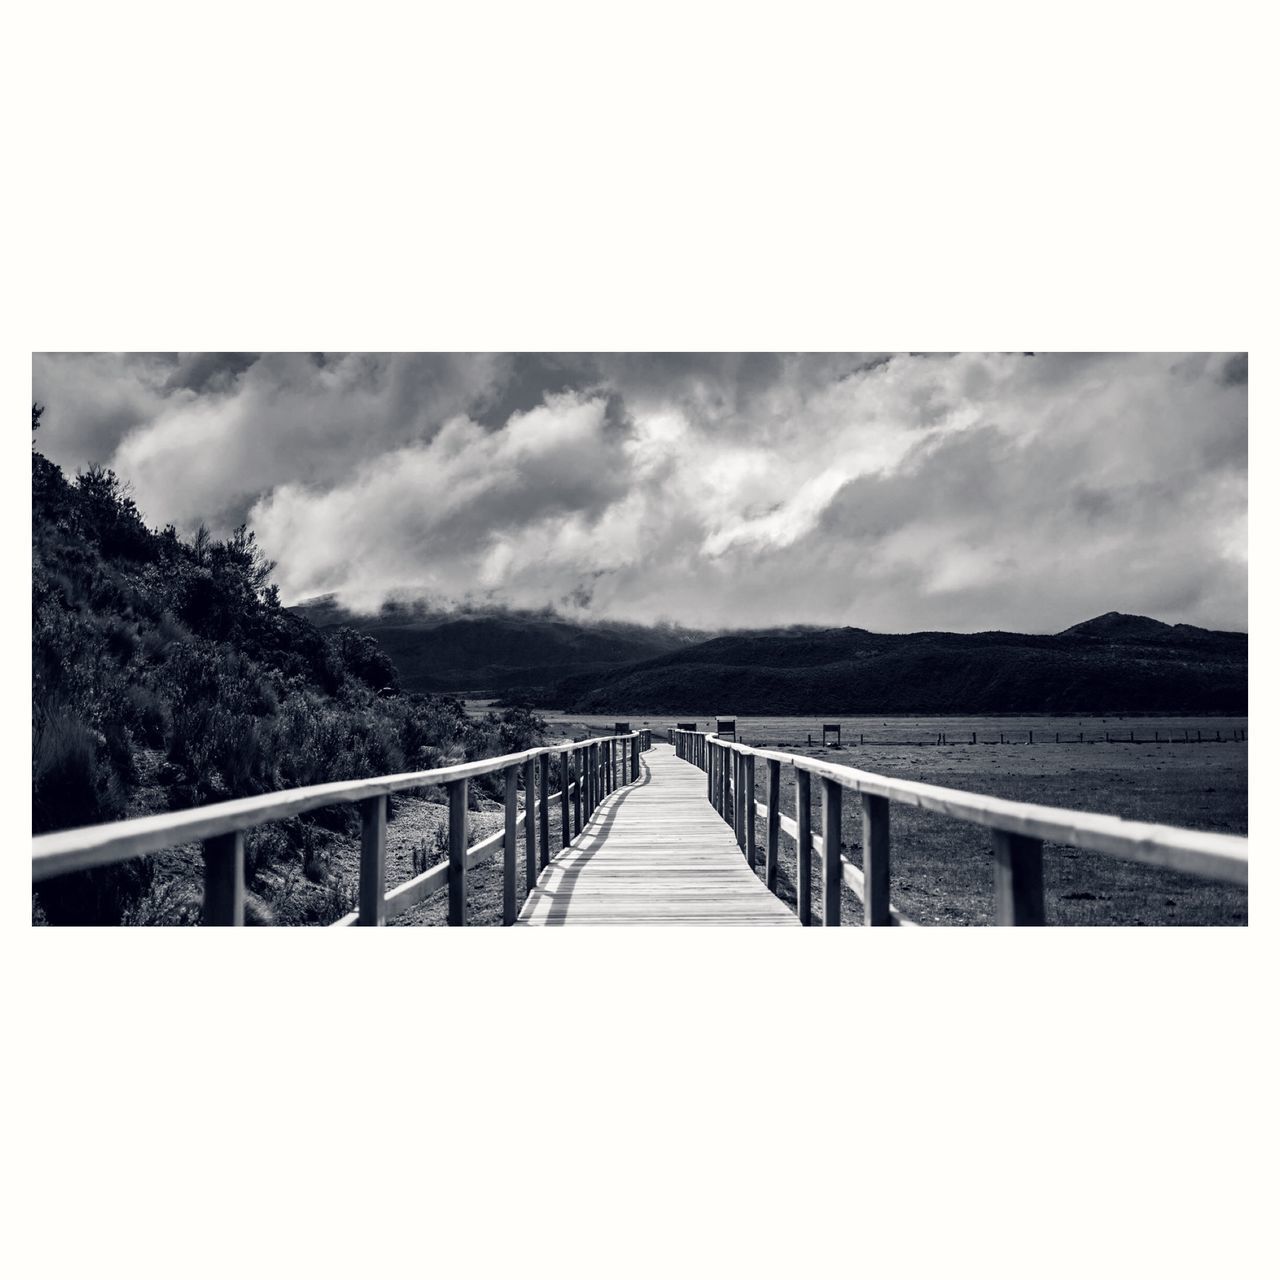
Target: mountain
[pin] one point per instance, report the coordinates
(497, 650)
(1112, 664)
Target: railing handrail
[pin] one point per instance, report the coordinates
(79, 848)
(1205, 853)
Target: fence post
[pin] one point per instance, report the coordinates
(831, 869)
(530, 829)
(771, 826)
(564, 799)
(635, 757)
(1019, 865)
(544, 818)
(749, 801)
(510, 907)
(804, 849)
(875, 860)
(223, 879)
(458, 852)
(373, 861)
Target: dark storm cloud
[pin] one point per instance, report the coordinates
(717, 489)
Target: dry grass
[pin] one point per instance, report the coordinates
(942, 868)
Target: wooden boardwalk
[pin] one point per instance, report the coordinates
(654, 852)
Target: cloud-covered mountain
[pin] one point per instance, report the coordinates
(1113, 664)
(494, 650)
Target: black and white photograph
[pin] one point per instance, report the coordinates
(651, 641)
(640, 639)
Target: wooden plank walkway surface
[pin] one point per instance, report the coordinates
(654, 852)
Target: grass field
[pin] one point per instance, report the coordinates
(942, 868)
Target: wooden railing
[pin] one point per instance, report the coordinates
(1018, 831)
(596, 767)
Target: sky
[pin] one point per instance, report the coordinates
(895, 492)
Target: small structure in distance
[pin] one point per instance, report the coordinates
(831, 735)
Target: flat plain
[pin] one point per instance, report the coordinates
(1195, 775)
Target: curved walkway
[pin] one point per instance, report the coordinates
(654, 852)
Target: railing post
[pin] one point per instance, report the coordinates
(771, 827)
(373, 861)
(458, 852)
(510, 908)
(577, 791)
(875, 860)
(635, 757)
(749, 804)
(804, 849)
(530, 828)
(739, 798)
(564, 800)
(223, 879)
(1019, 864)
(831, 869)
(544, 818)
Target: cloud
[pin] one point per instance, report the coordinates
(966, 491)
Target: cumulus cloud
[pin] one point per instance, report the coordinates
(891, 492)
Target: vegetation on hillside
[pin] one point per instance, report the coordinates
(166, 674)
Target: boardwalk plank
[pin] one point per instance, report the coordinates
(654, 852)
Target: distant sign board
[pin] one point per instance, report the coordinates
(726, 727)
(622, 726)
(830, 732)
(691, 725)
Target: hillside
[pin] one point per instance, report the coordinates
(165, 674)
(496, 650)
(1113, 664)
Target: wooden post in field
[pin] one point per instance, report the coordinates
(875, 859)
(458, 852)
(373, 861)
(544, 818)
(1019, 864)
(530, 827)
(831, 869)
(223, 879)
(749, 802)
(804, 849)
(510, 908)
(564, 800)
